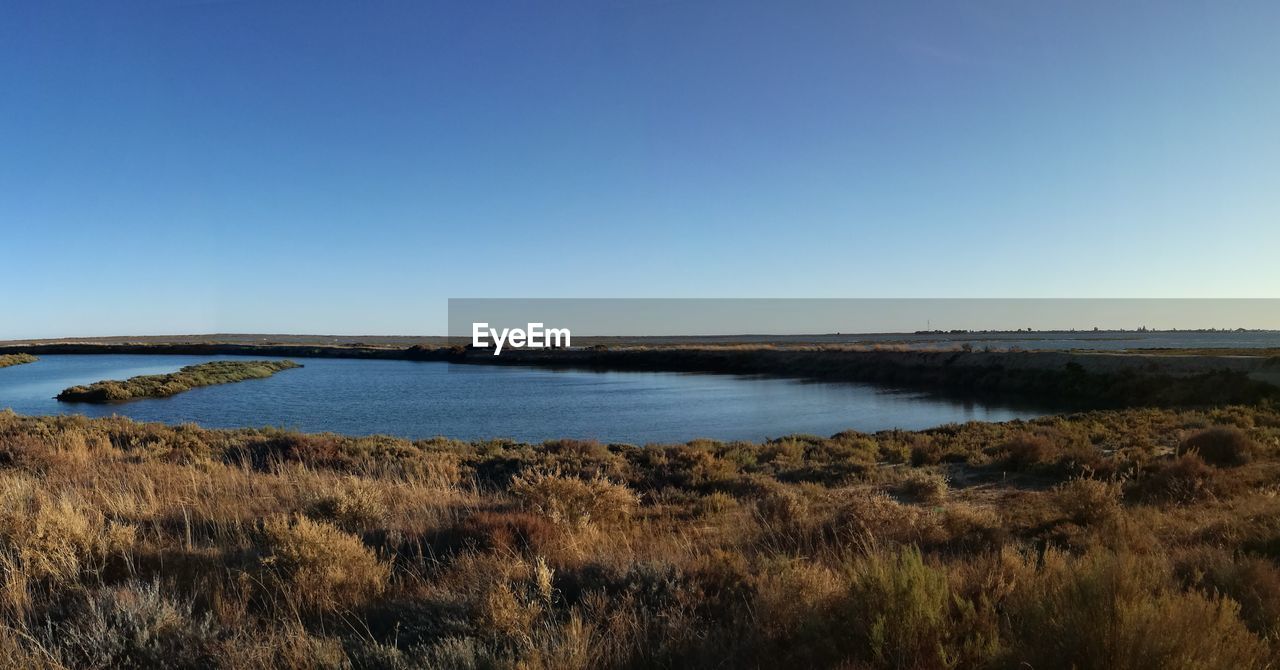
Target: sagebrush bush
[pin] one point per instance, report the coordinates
(54, 539)
(896, 611)
(714, 503)
(1223, 445)
(1181, 479)
(133, 626)
(319, 566)
(1251, 581)
(929, 488)
(784, 508)
(355, 504)
(572, 500)
(1027, 451)
(926, 453)
(1086, 501)
(969, 527)
(1122, 611)
(877, 518)
(515, 531)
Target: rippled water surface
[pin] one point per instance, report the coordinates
(416, 400)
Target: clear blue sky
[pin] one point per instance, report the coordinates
(344, 167)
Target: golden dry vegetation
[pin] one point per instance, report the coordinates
(1124, 539)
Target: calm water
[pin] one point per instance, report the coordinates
(418, 400)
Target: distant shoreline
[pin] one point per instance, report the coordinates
(393, 341)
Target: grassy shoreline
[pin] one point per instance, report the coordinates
(1065, 379)
(1135, 538)
(165, 385)
(9, 360)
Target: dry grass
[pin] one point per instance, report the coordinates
(1107, 539)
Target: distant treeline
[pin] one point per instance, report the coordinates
(163, 386)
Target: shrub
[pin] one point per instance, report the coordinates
(460, 653)
(291, 646)
(783, 453)
(929, 488)
(896, 611)
(876, 519)
(54, 539)
(1027, 451)
(1087, 501)
(792, 595)
(134, 625)
(357, 504)
(1108, 610)
(970, 527)
(508, 531)
(926, 453)
(319, 566)
(714, 503)
(783, 509)
(1254, 583)
(1224, 446)
(505, 614)
(1183, 479)
(571, 500)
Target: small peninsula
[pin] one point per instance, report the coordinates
(163, 386)
(8, 360)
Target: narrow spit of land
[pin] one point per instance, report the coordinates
(8, 360)
(163, 386)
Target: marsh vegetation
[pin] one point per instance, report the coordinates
(1122, 539)
(7, 360)
(185, 379)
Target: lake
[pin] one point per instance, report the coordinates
(418, 400)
